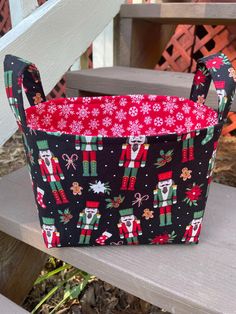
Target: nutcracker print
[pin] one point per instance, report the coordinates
(211, 167)
(133, 156)
(165, 195)
(188, 145)
(88, 221)
(193, 230)
(51, 172)
(89, 145)
(50, 235)
(129, 226)
(13, 101)
(220, 89)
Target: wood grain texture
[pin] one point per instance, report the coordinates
(8, 307)
(124, 80)
(182, 13)
(180, 278)
(139, 43)
(20, 265)
(53, 37)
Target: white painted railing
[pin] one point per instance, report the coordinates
(52, 37)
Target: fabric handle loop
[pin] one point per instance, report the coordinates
(20, 74)
(218, 68)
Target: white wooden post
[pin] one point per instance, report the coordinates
(19, 9)
(55, 48)
(103, 48)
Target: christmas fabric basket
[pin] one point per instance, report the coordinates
(117, 170)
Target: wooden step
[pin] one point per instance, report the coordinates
(180, 278)
(9, 307)
(125, 80)
(182, 13)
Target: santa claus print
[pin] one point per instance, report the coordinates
(188, 145)
(211, 167)
(50, 235)
(89, 145)
(129, 226)
(193, 230)
(88, 221)
(165, 195)
(51, 172)
(133, 156)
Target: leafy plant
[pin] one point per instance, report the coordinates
(115, 201)
(73, 282)
(65, 216)
(164, 159)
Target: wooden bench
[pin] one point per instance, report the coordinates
(181, 278)
(9, 307)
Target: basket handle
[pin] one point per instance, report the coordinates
(20, 74)
(218, 68)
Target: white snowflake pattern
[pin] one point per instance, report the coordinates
(61, 124)
(179, 129)
(94, 124)
(158, 121)
(186, 108)
(170, 106)
(151, 131)
(41, 108)
(123, 102)
(188, 123)
(103, 132)
(136, 98)
(117, 129)
(52, 108)
(212, 119)
(145, 108)
(156, 107)
(133, 111)
(179, 116)
(121, 115)
(95, 112)
(47, 120)
(86, 100)
(33, 121)
(106, 121)
(134, 127)
(83, 112)
(76, 126)
(152, 97)
(170, 120)
(198, 126)
(163, 131)
(109, 107)
(66, 110)
(99, 187)
(199, 114)
(147, 120)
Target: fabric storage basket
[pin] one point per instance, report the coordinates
(116, 170)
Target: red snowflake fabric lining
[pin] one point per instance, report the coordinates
(120, 116)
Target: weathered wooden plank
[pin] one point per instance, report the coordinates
(18, 267)
(132, 44)
(182, 13)
(124, 80)
(8, 307)
(181, 279)
(54, 50)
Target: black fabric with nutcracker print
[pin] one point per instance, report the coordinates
(136, 189)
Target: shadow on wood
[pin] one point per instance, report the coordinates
(20, 265)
